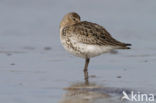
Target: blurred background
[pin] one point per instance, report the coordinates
(34, 67)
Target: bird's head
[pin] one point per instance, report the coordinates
(70, 19)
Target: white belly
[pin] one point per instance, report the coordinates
(86, 50)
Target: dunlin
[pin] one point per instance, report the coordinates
(86, 39)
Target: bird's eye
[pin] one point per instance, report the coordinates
(74, 19)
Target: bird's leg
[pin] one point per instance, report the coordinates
(86, 70)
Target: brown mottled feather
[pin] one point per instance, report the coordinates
(92, 33)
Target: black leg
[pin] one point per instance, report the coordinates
(86, 71)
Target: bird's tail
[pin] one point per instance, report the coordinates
(125, 46)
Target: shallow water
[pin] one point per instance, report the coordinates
(34, 67)
(92, 93)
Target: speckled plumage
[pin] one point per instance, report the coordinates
(85, 39)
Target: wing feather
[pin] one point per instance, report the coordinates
(91, 33)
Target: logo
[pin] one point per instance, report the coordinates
(137, 97)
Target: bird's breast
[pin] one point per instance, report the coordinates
(84, 50)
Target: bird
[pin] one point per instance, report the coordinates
(86, 39)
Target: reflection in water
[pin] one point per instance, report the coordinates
(91, 93)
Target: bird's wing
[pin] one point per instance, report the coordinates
(91, 33)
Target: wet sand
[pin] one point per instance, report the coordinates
(34, 67)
